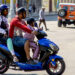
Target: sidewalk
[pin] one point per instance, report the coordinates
(46, 14)
(36, 15)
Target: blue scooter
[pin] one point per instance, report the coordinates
(48, 60)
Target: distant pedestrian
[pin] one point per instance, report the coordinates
(42, 17)
(30, 9)
(34, 8)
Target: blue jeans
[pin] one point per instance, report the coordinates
(19, 41)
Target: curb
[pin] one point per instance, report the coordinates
(46, 14)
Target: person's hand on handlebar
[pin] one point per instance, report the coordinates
(34, 32)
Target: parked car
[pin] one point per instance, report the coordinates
(66, 14)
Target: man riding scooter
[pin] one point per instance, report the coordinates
(19, 24)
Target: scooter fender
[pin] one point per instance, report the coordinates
(53, 57)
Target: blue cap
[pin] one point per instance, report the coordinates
(3, 6)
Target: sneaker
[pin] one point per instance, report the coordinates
(36, 61)
(47, 29)
(31, 61)
(15, 59)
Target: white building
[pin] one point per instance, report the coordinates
(0, 1)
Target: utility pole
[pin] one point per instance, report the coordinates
(5, 1)
(27, 7)
(17, 4)
(11, 11)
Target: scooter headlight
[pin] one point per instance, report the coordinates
(54, 47)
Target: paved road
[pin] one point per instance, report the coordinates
(65, 39)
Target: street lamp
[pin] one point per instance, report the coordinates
(11, 11)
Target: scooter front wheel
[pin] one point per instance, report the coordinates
(58, 69)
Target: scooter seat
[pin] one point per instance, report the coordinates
(3, 41)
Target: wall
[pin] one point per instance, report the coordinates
(54, 4)
(67, 1)
(8, 2)
(45, 3)
(0, 1)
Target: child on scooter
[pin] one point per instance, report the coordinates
(31, 37)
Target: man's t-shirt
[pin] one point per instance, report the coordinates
(41, 14)
(16, 22)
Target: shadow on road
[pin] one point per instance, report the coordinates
(71, 27)
(19, 74)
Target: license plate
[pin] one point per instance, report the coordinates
(71, 16)
(71, 20)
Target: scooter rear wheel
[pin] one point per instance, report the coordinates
(58, 69)
(4, 66)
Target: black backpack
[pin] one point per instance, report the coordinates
(3, 24)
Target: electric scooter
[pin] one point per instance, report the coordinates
(48, 58)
